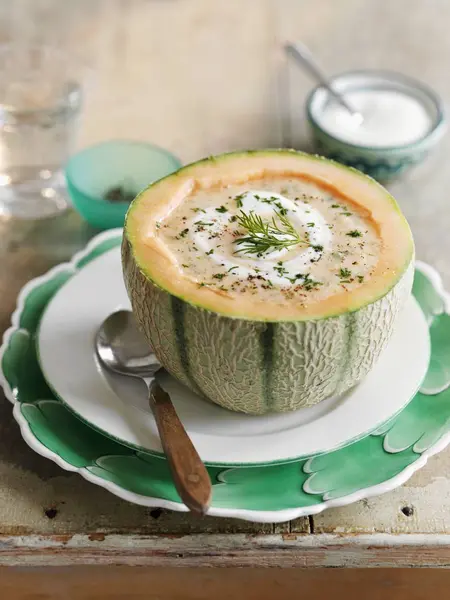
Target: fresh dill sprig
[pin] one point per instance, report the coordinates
(263, 236)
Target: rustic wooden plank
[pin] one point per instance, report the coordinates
(214, 550)
(285, 528)
(99, 583)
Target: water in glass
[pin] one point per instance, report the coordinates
(39, 106)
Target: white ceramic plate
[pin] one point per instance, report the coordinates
(118, 407)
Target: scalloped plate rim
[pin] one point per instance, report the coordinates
(274, 516)
(263, 516)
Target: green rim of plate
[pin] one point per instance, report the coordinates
(372, 465)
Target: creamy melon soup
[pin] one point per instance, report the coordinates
(282, 239)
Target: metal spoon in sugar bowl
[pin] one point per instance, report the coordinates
(304, 57)
(122, 349)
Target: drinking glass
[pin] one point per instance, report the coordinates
(46, 52)
(40, 101)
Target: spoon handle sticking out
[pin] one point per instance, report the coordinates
(188, 471)
(302, 54)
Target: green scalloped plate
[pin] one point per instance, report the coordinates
(370, 466)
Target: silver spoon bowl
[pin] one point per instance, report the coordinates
(304, 57)
(122, 348)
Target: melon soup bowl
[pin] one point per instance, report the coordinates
(245, 356)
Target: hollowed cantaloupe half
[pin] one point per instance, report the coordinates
(251, 356)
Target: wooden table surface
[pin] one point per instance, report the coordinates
(201, 77)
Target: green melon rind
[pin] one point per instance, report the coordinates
(129, 234)
(153, 306)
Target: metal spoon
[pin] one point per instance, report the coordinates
(123, 349)
(303, 55)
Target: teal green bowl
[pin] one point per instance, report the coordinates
(125, 164)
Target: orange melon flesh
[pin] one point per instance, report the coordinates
(378, 206)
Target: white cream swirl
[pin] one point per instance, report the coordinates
(214, 234)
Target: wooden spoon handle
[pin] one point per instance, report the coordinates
(188, 471)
